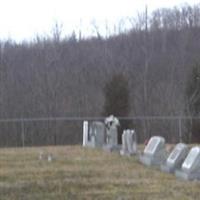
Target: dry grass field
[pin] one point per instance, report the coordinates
(79, 173)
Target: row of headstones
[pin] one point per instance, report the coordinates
(97, 135)
(184, 163)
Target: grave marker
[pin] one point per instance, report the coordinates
(93, 135)
(190, 169)
(124, 150)
(176, 158)
(129, 143)
(85, 133)
(112, 124)
(154, 153)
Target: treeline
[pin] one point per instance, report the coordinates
(51, 77)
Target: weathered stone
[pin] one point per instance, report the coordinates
(111, 123)
(129, 143)
(190, 169)
(176, 158)
(154, 153)
(124, 150)
(96, 135)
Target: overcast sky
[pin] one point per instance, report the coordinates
(23, 19)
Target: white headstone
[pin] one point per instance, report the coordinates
(192, 161)
(154, 152)
(190, 169)
(85, 133)
(124, 150)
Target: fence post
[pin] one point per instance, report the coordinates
(180, 129)
(22, 133)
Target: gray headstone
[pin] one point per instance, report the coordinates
(96, 134)
(129, 143)
(124, 150)
(176, 158)
(190, 169)
(112, 135)
(112, 123)
(99, 129)
(132, 143)
(154, 153)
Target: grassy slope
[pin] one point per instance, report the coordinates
(79, 173)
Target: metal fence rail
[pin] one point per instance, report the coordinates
(67, 130)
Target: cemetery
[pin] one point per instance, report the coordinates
(102, 168)
(184, 163)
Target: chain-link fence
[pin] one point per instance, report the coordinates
(68, 130)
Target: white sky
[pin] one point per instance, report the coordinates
(23, 19)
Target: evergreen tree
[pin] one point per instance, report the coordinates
(193, 102)
(193, 91)
(117, 101)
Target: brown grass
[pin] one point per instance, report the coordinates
(80, 173)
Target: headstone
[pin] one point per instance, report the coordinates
(99, 131)
(124, 150)
(85, 133)
(112, 135)
(176, 158)
(132, 142)
(96, 136)
(190, 169)
(154, 153)
(111, 123)
(129, 143)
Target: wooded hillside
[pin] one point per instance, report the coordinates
(65, 77)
